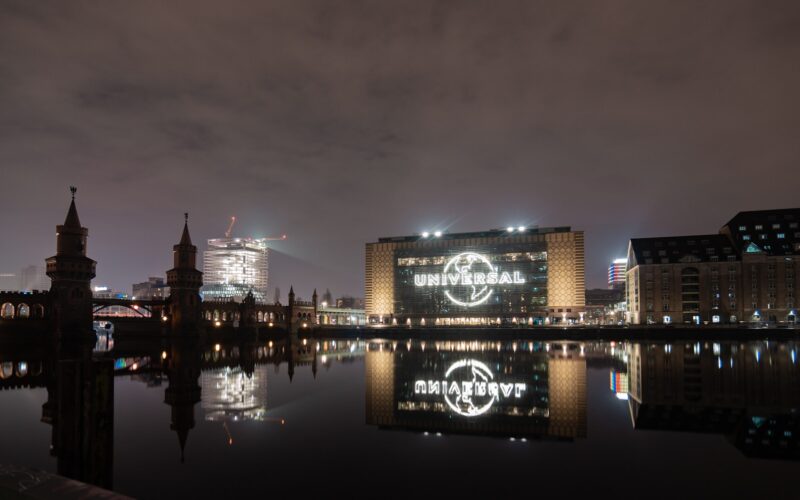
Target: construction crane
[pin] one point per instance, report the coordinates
(229, 232)
(230, 227)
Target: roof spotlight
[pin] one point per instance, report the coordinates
(510, 229)
(437, 234)
(521, 229)
(425, 234)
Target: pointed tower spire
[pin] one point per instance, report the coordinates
(72, 220)
(186, 240)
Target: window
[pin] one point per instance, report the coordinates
(746, 237)
(759, 227)
(781, 236)
(742, 228)
(776, 226)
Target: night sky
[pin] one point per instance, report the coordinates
(340, 122)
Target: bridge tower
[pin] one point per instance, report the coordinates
(184, 282)
(71, 272)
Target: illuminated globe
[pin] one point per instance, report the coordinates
(468, 264)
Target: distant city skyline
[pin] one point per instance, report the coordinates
(338, 124)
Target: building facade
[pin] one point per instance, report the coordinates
(616, 274)
(524, 275)
(746, 273)
(232, 267)
(153, 288)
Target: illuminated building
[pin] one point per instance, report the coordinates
(234, 266)
(232, 394)
(745, 273)
(506, 276)
(616, 273)
(477, 387)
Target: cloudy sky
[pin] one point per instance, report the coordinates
(340, 122)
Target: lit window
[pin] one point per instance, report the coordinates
(776, 226)
(746, 237)
(742, 228)
(759, 227)
(781, 236)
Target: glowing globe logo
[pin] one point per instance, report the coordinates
(468, 279)
(470, 403)
(469, 388)
(467, 265)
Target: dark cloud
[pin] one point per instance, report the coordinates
(338, 122)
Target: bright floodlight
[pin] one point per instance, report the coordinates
(521, 229)
(425, 234)
(510, 229)
(437, 233)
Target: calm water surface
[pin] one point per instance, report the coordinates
(399, 417)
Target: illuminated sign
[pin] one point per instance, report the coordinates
(468, 279)
(469, 388)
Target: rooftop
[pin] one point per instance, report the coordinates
(491, 233)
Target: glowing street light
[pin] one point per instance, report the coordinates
(510, 229)
(437, 234)
(425, 234)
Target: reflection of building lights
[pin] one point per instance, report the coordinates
(163, 354)
(217, 323)
(163, 318)
(305, 341)
(217, 347)
(270, 324)
(270, 344)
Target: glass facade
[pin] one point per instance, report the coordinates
(497, 280)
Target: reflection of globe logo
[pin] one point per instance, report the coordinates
(467, 264)
(471, 397)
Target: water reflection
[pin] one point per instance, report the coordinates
(509, 389)
(745, 391)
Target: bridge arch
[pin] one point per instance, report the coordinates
(23, 311)
(37, 311)
(6, 370)
(7, 311)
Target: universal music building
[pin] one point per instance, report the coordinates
(522, 276)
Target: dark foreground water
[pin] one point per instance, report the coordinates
(398, 418)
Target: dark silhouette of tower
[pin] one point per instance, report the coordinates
(80, 407)
(290, 310)
(184, 282)
(71, 272)
(314, 303)
(183, 392)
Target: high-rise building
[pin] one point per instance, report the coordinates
(9, 282)
(33, 278)
(232, 267)
(616, 273)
